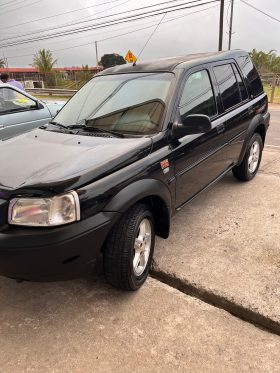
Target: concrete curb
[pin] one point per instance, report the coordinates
(216, 300)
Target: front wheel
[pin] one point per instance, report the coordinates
(129, 249)
(251, 161)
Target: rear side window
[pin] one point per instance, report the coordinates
(250, 73)
(242, 89)
(197, 96)
(228, 86)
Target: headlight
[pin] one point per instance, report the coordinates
(45, 212)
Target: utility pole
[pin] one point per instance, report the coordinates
(230, 26)
(221, 24)
(96, 53)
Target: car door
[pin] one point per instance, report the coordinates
(19, 113)
(235, 104)
(199, 159)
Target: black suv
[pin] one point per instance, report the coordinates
(129, 150)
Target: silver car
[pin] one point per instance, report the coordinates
(21, 112)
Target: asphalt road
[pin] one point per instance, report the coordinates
(273, 134)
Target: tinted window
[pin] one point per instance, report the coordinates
(228, 86)
(197, 97)
(240, 82)
(250, 72)
(11, 100)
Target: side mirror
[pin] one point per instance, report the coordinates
(191, 125)
(39, 105)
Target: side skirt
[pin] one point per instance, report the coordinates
(208, 186)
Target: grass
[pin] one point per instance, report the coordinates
(268, 90)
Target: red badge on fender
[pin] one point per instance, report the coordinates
(165, 165)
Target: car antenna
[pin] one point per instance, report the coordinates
(149, 38)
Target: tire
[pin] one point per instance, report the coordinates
(249, 167)
(120, 257)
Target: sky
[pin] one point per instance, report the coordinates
(179, 33)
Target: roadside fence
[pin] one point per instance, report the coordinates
(271, 83)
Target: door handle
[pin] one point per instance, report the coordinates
(220, 128)
(251, 110)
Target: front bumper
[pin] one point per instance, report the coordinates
(54, 253)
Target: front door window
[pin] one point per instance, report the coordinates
(13, 101)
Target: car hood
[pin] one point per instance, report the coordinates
(55, 161)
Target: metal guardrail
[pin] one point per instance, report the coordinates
(51, 91)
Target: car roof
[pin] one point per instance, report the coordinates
(170, 63)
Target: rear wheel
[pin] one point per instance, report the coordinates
(251, 161)
(129, 249)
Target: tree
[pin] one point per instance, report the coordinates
(85, 73)
(43, 61)
(266, 62)
(110, 60)
(2, 63)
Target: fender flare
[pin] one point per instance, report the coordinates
(136, 191)
(255, 123)
(157, 195)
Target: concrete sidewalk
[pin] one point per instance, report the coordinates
(225, 246)
(85, 326)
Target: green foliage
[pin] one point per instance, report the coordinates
(266, 62)
(43, 61)
(2, 62)
(110, 60)
(85, 74)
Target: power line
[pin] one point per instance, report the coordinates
(16, 35)
(260, 11)
(150, 37)
(120, 28)
(94, 19)
(10, 3)
(58, 15)
(123, 34)
(20, 7)
(107, 23)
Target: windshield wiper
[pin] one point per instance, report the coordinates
(86, 128)
(61, 126)
(95, 129)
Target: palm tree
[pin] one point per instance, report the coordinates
(43, 61)
(266, 62)
(2, 62)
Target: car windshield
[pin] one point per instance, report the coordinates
(125, 103)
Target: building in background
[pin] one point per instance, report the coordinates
(31, 78)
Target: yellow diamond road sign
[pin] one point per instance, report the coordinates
(130, 58)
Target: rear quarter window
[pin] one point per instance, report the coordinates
(228, 86)
(251, 75)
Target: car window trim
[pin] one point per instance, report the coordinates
(184, 80)
(227, 62)
(19, 110)
(24, 93)
(242, 78)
